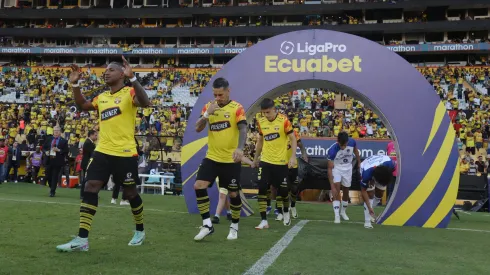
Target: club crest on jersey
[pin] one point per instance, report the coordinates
(117, 100)
(110, 113)
(276, 128)
(227, 114)
(219, 126)
(271, 137)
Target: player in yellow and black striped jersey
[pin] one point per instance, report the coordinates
(227, 133)
(116, 151)
(272, 151)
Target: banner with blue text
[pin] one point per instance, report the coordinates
(219, 51)
(316, 147)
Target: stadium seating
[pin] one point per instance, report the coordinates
(172, 90)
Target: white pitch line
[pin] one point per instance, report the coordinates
(466, 229)
(448, 228)
(180, 212)
(268, 259)
(464, 212)
(78, 204)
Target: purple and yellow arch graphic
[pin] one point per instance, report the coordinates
(428, 175)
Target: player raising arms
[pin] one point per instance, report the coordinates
(376, 173)
(227, 134)
(116, 151)
(272, 152)
(340, 156)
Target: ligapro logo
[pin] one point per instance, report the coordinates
(288, 48)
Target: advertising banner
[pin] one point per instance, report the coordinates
(223, 50)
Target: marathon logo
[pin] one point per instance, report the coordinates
(110, 113)
(219, 126)
(271, 137)
(102, 51)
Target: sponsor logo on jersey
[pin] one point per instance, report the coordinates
(110, 113)
(271, 137)
(219, 126)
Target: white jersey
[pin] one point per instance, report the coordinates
(369, 164)
(342, 159)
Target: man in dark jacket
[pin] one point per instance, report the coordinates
(56, 151)
(15, 155)
(88, 149)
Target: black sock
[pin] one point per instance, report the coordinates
(262, 198)
(137, 209)
(269, 197)
(285, 197)
(88, 208)
(279, 202)
(293, 199)
(203, 202)
(236, 208)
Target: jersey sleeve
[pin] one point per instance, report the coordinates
(288, 127)
(352, 142)
(390, 164)
(298, 138)
(132, 93)
(240, 115)
(366, 177)
(204, 109)
(95, 102)
(260, 128)
(332, 152)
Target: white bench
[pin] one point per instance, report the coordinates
(164, 181)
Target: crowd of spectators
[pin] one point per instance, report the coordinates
(47, 102)
(313, 112)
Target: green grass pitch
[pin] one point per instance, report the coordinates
(32, 224)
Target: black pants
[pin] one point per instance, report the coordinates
(35, 173)
(82, 182)
(52, 176)
(12, 164)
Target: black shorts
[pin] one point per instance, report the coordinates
(293, 177)
(228, 174)
(124, 170)
(272, 175)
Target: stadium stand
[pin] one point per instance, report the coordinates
(174, 66)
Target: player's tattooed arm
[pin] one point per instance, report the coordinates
(201, 124)
(242, 136)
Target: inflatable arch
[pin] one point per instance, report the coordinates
(428, 175)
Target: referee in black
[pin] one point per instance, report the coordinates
(87, 150)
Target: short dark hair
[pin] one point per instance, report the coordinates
(383, 175)
(220, 82)
(343, 138)
(90, 132)
(266, 103)
(120, 65)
